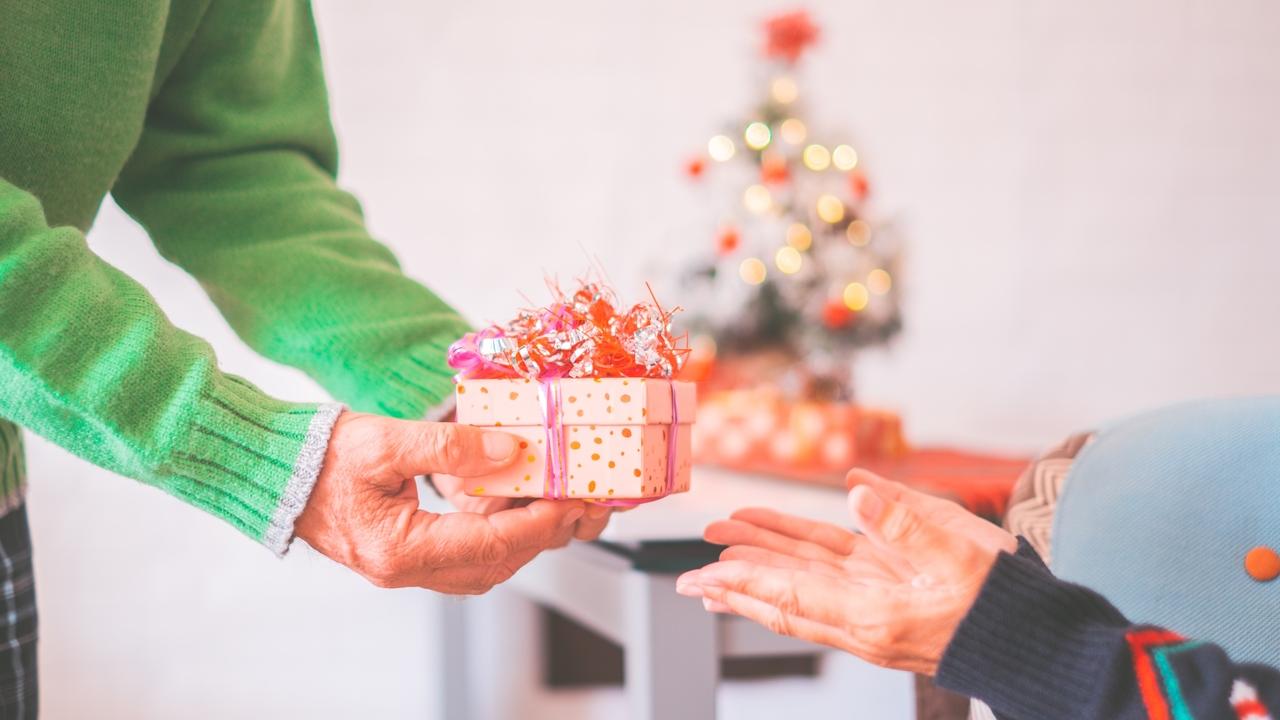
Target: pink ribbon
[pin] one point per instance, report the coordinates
(471, 355)
(553, 421)
(556, 484)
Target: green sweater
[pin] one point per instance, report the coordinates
(208, 123)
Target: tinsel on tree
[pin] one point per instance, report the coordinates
(797, 262)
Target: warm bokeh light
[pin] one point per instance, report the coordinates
(757, 199)
(856, 296)
(878, 281)
(788, 259)
(859, 233)
(784, 90)
(793, 131)
(799, 236)
(702, 347)
(844, 157)
(830, 209)
(817, 157)
(752, 270)
(720, 148)
(757, 135)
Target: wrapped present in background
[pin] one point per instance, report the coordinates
(760, 429)
(589, 389)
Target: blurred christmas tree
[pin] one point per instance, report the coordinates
(797, 267)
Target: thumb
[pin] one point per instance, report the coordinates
(453, 449)
(936, 552)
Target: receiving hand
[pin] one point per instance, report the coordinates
(893, 595)
(363, 511)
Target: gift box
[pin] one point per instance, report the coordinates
(759, 429)
(586, 438)
(588, 388)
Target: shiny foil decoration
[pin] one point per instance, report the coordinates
(583, 335)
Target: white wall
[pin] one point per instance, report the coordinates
(1088, 189)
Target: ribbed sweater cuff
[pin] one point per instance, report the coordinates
(250, 459)
(1031, 644)
(412, 384)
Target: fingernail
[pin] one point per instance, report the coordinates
(710, 605)
(866, 503)
(571, 517)
(595, 511)
(688, 589)
(498, 446)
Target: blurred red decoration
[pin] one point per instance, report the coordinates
(835, 314)
(760, 430)
(728, 239)
(858, 185)
(700, 365)
(787, 35)
(773, 170)
(695, 168)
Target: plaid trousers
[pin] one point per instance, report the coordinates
(18, 697)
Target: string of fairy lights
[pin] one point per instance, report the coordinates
(757, 198)
(802, 234)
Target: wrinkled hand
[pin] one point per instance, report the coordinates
(893, 595)
(451, 487)
(363, 512)
(589, 527)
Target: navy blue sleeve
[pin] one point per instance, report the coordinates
(1034, 647)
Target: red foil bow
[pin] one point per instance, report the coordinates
(583, 335)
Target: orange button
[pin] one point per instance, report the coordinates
(1262, 564)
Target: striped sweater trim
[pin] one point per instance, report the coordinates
(1160, 687)
(1169, 678)
(1245, 701)
(1141, 642)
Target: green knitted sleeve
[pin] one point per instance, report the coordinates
(234, 180)
(90, 362)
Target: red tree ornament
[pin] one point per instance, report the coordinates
(728, 239)
(773, 170)
(835, 314)
(858, 185)
(787, 35)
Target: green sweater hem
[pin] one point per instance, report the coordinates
(250, 459)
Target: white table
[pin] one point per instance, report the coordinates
(672, 647)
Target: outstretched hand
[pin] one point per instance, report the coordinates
(363, 511)
(893, 595)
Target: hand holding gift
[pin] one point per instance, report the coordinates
(588, 391)
(363, 511)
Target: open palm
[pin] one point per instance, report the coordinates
(892, 595)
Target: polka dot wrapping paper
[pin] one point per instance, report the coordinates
(603, 439)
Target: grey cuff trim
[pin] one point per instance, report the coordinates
(306, 469)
